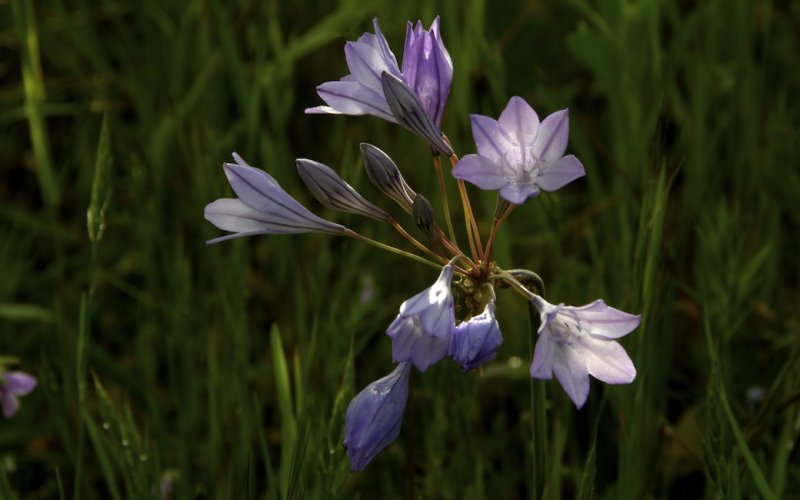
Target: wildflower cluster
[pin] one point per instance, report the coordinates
(518, 155)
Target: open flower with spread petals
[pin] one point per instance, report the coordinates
(263, 207)
(375, 415)
(12, 386)
(427, 70)
(575, 342)
(518, 155)
(475, 341)
(421, 332)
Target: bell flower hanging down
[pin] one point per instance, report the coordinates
(427, 69)
(575, 342)
(263, 207)
(474, 342)
(518, 155)
(13, 385)
(375, 415)
(421, 332)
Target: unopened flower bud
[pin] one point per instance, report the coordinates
(333, 192)
(409, 112)
(422, 211)
(384, 175)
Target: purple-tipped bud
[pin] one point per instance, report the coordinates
(422, 211)
(475, 341)
(263, 207)
(384, 175)
(333, 192)
(375, 415)
(421, 332)
(427, 67)
(410, 113)
(12, 386)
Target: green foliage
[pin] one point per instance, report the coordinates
(226, 370)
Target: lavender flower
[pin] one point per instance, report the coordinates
(421, 332)
(475, 341)
(427, 70)
(263, 207)
(375, 415)
(518, 155)
(13, 385)
(575, 342)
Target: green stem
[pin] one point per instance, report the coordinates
(389, 248)
(437, 163)
(538, 417)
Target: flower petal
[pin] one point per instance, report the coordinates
(606, 321)
(557, 173)
(571, 372)
(517, 193)
(520, 122)
(489, 138)
(475, 341)
(553, 134)
(352, 98)
(542, 365)
(10, 404)
(410, 342)
(366, 64)
(19, 383)
(481, 171)
(606, 360)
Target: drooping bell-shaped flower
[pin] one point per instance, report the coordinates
(421, 332)
(475, 341)
(12, 386)
(427, 70)
(263, 207)
(575, 342)
(375, 415)
(519, 156)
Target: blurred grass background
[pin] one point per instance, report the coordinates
(226, 370)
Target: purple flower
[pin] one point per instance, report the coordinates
(518, 155)
(13, 385)
(475, 341)
(575, 342)
(374, 416)
(421, 332)
(427, 69)
(263, 207)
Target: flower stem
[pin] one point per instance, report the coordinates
(496, 223)
(437, 163)
(539, 418)
(389, 248)
(469, 218)
(396, 225)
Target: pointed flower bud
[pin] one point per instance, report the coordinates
(263, 207)
(375, 415)
(575, 342)
(410, 113)
(333, 192)
(384, 175)
(422, 211)
(475, 341)
(421, 332)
